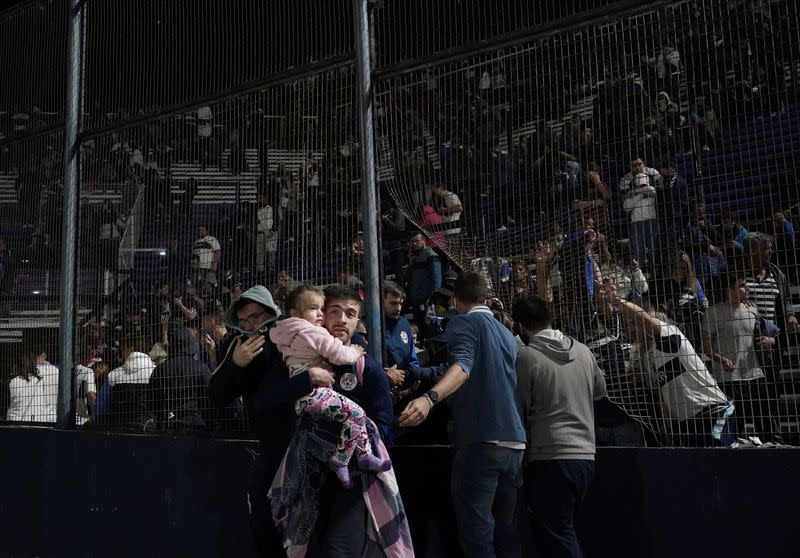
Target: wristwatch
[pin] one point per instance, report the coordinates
(432, 396)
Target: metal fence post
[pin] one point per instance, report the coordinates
(65, 409)
(369, 205)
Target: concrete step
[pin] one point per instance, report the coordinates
(789, 374)
(790, 400)
(789, 426)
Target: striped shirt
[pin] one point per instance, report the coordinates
(764, 294)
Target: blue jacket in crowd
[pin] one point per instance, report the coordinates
(485, 406)
(399, 341)
(424, 275)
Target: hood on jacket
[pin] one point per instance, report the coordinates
(260, 295)
(285, 330)
(181, 341)
(554, 344)
(136, 363)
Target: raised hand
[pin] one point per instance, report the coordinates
(245, 352)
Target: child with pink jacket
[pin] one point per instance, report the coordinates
(304, 343)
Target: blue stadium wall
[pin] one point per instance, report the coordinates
(87, 494)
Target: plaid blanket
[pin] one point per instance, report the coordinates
(294, 494)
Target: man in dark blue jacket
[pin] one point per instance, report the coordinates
(342, 308)
(423, 276)
(340, 527)
(251, 366)
(401, 355)
(398, 336)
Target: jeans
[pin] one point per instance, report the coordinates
(644, 241)
(341, 530)
(698, 431)
(555, 490)
(755, 403)
(486, 479)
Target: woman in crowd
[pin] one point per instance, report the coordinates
(33, 389)
(681, 297)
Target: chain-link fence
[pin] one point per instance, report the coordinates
(608, 157)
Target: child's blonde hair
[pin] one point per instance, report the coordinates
(296, 298)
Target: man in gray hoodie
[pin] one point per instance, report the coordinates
(558, 381)
(251, 366)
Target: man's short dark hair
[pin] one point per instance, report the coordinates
(470, 288)
(216, 313)
(392, 289)
(133, 342)
(341, 292)
(414, 233)
(531, 312)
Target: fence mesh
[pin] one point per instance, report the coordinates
(640, 173)
(407, 30)
(632, 156)
(146, 55)
(31, 179)
(33, 66)
(183, 214)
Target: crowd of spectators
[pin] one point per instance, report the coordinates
(559, 184)
(536, 197)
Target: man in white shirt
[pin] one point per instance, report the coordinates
(267, 238)
(207, 248)
(124, 400)
(450, 212)
(696, 412)
(137, 367)
(640, 205)
(639, 166)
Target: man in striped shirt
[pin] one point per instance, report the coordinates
(769, 288)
